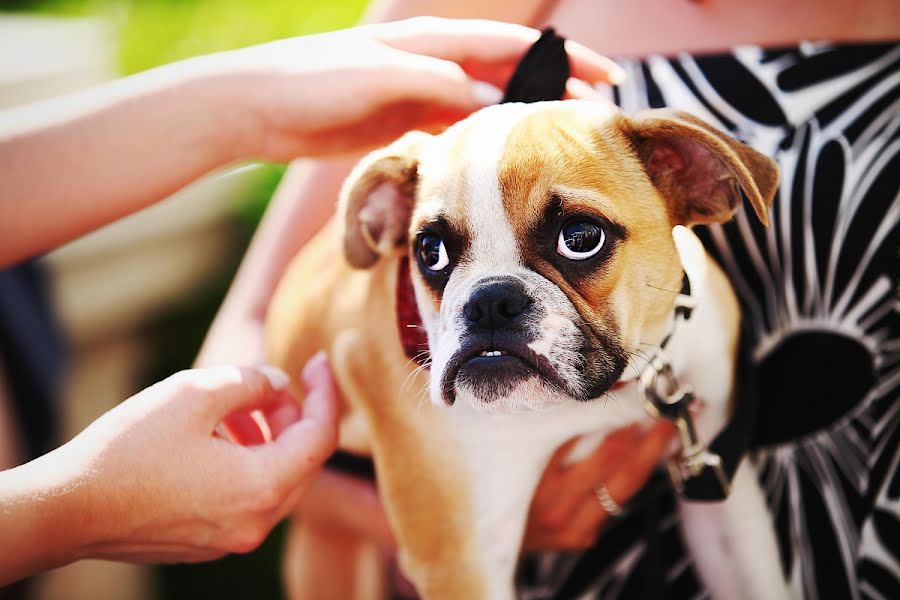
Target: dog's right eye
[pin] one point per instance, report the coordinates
(433, 252)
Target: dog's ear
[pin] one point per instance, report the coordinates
(377, 200)
(700, 170)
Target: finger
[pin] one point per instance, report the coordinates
(587, 521)
(589, 66)
(322, 393)
(459, 39)
(607, 456)
(434, 80)
(250, 428)
(580, 90)
(242, 428)
(560, 495)
(304, 445)
(558, 460)
(229, 389)
(633, 473)
(497, 74)
(475, 40)
(281, 415)
(553, 501)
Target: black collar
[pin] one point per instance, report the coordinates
(700, 473)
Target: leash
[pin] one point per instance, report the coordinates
(701, 472)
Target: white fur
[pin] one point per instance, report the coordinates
(494, 251)
(732, 542)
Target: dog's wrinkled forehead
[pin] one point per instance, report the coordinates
(492, 174)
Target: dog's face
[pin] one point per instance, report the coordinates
(540, 237)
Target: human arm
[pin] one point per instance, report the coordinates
(304, 200)
(149, 481)
(71, 165)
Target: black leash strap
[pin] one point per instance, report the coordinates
(735, 438)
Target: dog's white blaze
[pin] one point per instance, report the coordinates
(493, 244)
(493, 250)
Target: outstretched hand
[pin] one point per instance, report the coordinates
(151, 481)
(328, 94)
(363, 87)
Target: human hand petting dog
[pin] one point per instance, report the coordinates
(364, 87)
(334, 93)
(150, 481)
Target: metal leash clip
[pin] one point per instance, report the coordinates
(666, 399)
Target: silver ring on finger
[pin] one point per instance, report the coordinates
(612, 508)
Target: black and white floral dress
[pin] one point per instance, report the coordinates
(819, 289)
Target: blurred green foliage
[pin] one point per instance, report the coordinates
(153, 32)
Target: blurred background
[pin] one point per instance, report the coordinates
(134, 299)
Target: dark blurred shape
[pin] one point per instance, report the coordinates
(33, 354)
(542, 73)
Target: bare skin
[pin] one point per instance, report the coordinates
(322, 95)
(150, 481)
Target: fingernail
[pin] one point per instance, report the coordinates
(486, 94)
(278, 379)
(313, 368)
(617, 75)
(582, 90)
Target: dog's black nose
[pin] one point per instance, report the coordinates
(496, 306)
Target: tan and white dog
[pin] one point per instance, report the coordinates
(540, 241)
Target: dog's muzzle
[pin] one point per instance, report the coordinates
(494, 357)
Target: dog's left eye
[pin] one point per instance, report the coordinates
(433, 252)
(580, 240)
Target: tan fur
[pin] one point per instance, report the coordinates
(323, 303)
(600, 162)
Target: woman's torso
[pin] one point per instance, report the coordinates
(819, 290)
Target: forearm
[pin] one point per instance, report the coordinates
(72, 164)
(303, 202)
(40, 522)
